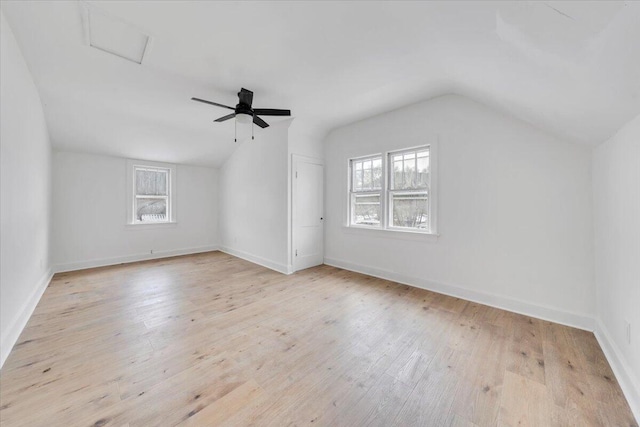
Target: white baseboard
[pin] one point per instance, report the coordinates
(11, 334)
(628, 382)
(505, 303)
(280, 268)
(81, 265)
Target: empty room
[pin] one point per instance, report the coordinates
(287, 213)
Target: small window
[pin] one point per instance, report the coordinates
(408, 194)
(366, 191)
(152, 193)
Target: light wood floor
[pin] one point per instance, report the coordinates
(211, 339)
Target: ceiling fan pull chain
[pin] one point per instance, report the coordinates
(252, 126)
(235, 130)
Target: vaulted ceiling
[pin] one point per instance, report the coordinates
(571, 68)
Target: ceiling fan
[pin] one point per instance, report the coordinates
(243, 111)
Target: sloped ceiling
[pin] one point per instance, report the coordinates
(571, 68)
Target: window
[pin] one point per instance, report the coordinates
(366, 191)
(408, 193)
(404, 201)
(151, 199)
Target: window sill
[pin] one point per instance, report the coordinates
(150, 225)
(391, 233)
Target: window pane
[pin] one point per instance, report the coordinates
(397, 173)
(366, 182)
(367, 174)
(151, 210)
(151, 182)
(423, 170)
(410, 210)
(357, 183)
(366, 209)
(410, 170)
(377, 174)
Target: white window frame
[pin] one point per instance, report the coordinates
(353, 192)
(132, 166)
(390, 193)
(386, 229)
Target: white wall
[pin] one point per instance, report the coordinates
(254, 201)
(304, 143)
(25, 156)
(515, 212)
(90, 213)
(616, 185)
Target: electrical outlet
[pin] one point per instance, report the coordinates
(627, 330)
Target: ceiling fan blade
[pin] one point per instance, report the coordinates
(212, 103)
(227, 117)
(257, 120)
(245, 96)
(271, 112)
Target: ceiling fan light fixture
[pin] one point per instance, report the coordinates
(244, 118)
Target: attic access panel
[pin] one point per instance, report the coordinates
(114, 36)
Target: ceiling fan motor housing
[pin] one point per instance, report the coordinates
(244, 109)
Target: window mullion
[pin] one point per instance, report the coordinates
(388, 170)
(415, 170)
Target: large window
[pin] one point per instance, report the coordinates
(403, 201)
(152, 193)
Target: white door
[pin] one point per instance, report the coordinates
(308, 213)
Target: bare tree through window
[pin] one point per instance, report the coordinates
(152, 194)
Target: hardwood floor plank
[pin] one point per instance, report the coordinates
(480, 389)
(224, 408)
(210, 339)
(378, 407)
(524, 402)
(431, 399)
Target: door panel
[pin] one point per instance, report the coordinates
(308, 229)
